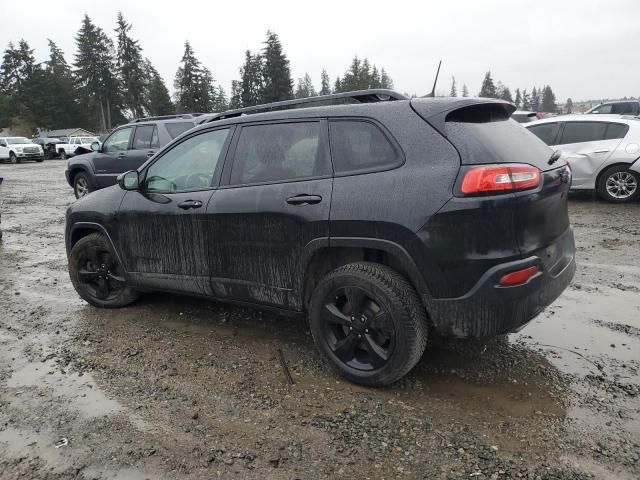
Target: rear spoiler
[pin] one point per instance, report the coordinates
(436, 110)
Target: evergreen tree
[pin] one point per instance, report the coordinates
(236, 94)
(518, 101)
(277, 83)
(454, 90)
(488, 88)
(186, 82)
(534, 102)
(251, 84)
(220, 103)
(305, 87)
(526, 100)
(156, 95)
(465, 90)
(385, 80)
(130, 69)
(18, 64)
(548, 100)
(95, 77)
(375, 81)
(503, 92)
(569, 106)
(325, 83)
(337, 86)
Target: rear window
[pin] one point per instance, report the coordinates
(176, 129)
(360, 146)
(547, 132)
(615, 131)
(581, 132)
(486, 134)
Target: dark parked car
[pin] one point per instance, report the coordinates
(48, 145)
(524, 116)
(126, 148)
(381, 221)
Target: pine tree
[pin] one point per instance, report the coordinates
(156, 95)
(21, 85)
(277, 83)
(18, 64)
(534, 102)
(337, 86)
(220, 103)
(236, 94)
(569, 106)
(503, 92)
(454, 90)
(305, 87)
(488, 88)
(195, 87)
(385, 80)
(526, 100)
(548, 100)
(251, 83)
(95, 78)
(465, 90)
(325, 86)
(518, 101)
(130, 69)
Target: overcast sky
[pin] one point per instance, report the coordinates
(583, 49)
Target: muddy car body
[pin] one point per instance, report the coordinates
(382, 221)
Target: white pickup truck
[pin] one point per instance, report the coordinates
(17, 149)
(75, 146)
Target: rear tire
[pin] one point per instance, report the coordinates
(618, 184)
(369, 323)
(97, 275)
(63, 155)
(81, 185)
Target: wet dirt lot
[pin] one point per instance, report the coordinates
(173, 387)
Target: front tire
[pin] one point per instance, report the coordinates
(618, 184)
(12, 158)
(369, 323)
(81, 185)
(97, 275)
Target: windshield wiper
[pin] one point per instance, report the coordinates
(555, 156)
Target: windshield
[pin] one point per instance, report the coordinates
(17, 140)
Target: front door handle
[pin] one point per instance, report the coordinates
(304, 199)
(122, 155)
(601, 151)
(189, 204)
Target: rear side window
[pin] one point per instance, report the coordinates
(623, 108)
(176, 129)
(581, 132)
(547, 132)
(279, 152)
(616, 130)
(146, 137)
(359, 146)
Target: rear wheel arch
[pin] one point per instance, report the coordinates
(604, 169)
(600, 188)
(324, 259)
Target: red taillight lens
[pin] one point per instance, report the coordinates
(518, 277)
(510, 177)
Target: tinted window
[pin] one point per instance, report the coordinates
(358, 146)
(579, 132)
(547, 132)
(178, 128)
(623, 108)
(190, 165)
(118, 141)
(286, 151)
(606, 109)
(616, 130)
(145, 137)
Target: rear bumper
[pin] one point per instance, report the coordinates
(488, 309)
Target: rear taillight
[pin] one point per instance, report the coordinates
(519, 277)
(510, 177)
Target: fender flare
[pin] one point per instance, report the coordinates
(98, 228)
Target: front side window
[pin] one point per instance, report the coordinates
(581, 132)
(604, 109)
(358, 146)
(547, 132)
(278, 152)
(188, 166)
(146, 137)
(118, 141)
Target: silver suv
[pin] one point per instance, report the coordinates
(623, 107)
(603, 152)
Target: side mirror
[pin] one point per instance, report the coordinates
(95, 146)
(129, 180)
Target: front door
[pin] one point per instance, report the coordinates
(110, 160)
(275, 201)
(161, 227)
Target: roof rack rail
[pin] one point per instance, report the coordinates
(372, 95)
(165, 117)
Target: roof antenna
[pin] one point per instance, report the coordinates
(433, 91)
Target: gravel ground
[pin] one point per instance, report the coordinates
(173, 387)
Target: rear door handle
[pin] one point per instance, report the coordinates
(189, 204)
(601, 151)
(122, 155)
(304, 199)
(150, 153)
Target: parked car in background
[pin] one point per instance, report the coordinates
(622, 107)
(524, 116)
(48, 145)
(126, 148)
(17, 149)
(382, 221)
(75, 146)
(603, 152)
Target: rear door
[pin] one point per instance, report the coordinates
(590, 144)
(111, 159)
(144, 145)
(273, 202)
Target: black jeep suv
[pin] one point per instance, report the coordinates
(126, 148)
(382, 221)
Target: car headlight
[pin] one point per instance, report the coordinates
(19, 149)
